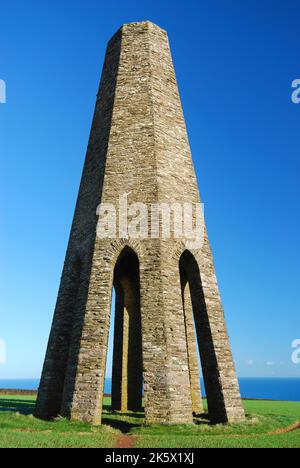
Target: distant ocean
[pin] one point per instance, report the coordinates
(261, 388)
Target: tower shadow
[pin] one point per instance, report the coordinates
(124, 426)
(20, 405)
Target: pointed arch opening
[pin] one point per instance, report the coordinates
(198, 328)
(190, 330)
(127, 363)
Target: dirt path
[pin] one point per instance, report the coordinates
(284, 430)
(292, 428)
(125, 441)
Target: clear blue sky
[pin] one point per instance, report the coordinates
(235, 61)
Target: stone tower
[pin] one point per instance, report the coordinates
(167, 301)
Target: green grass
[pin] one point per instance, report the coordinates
(18, 428)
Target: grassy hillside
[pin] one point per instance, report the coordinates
(269, 424)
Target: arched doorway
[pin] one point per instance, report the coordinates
(127, 368)
(191, 342)
(196, 316)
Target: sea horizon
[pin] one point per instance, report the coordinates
(265, 388)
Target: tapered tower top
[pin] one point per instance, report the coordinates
(141, 24)
(138, 26)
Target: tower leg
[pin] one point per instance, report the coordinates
(116, 392)
(125, 342)
(222, 388)
(167, 390)
(134, 350)
(53, 377)
(84, 383)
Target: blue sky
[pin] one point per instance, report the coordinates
(235, 62)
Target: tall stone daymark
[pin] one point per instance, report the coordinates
(166, 294)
